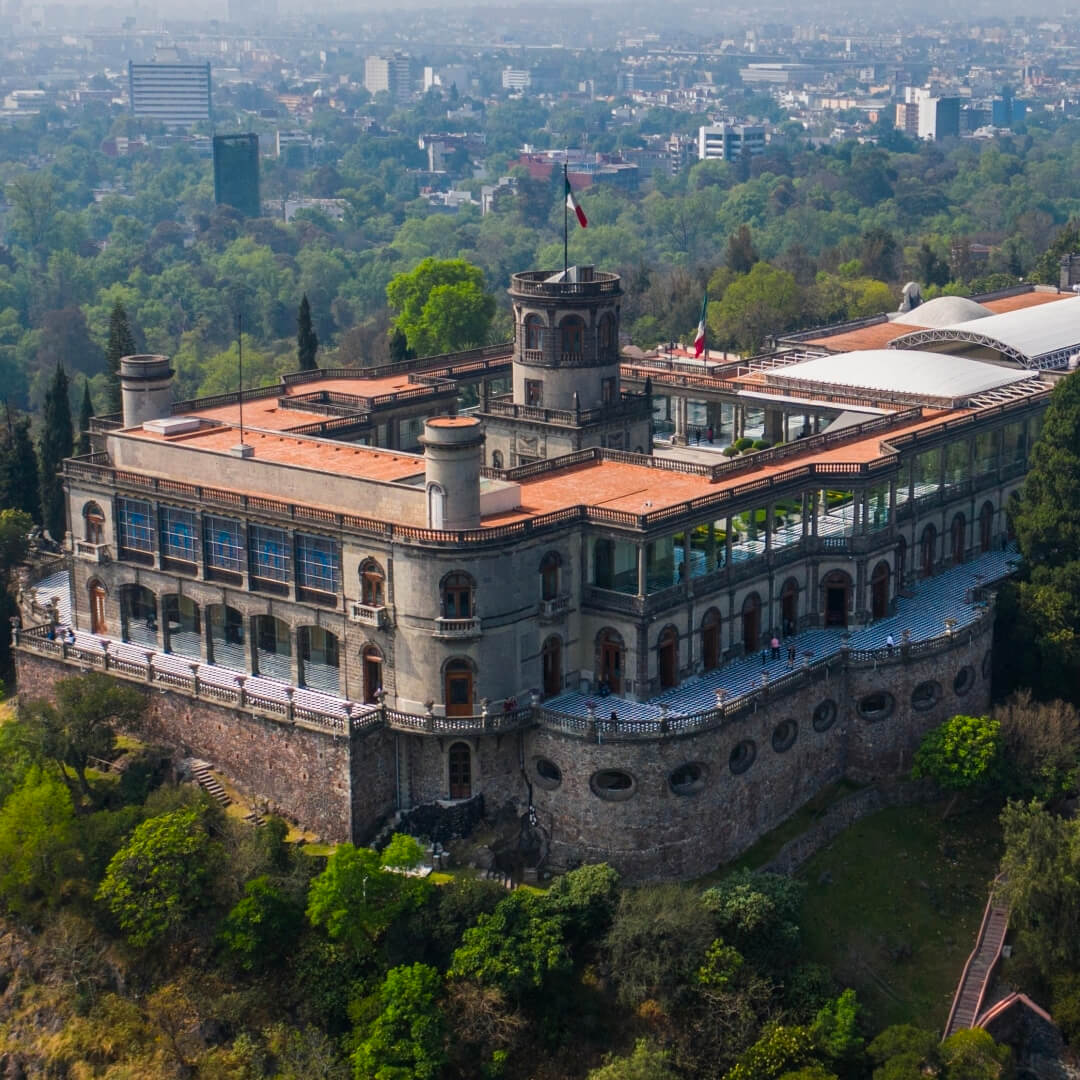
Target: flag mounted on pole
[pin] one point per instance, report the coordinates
(699, 337)
(583, 221)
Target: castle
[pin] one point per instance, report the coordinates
(363, 590)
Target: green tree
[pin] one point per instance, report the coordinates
(442, 305)
(19, 468)
(960, 755)
(1041, 883)
(517, 949)
(972, 1054)
(905, 1052)
(836, 1029)
(741, 256)
(37, 823)
(779, 1050)
(307, 341)
(765, 301)
(399, 347)
(405, 1040)
(86, 414)
(262, 927)
(157, 880)
(121, 344)
(645, 1062)
(586, 898)
(57, 443)
(1040, 744)
(82, 724)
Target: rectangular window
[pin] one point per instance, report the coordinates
(224, 544)
(270, 556)
(317, 563)
(607, 391)
(534, 392)
(135, 524)
(177, 533)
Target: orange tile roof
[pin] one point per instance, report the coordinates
(1023, 300)
(869, 337)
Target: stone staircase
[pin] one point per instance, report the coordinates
(202, 775)
(979, 969)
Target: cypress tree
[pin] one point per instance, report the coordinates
(19, 470)
(86, 413)
(307, 341)
(399, 347)
(57, 443)
(121, 343)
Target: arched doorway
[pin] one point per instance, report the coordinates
(667, 648)
(97, 608)
(926, 551)
(371, 663)
(226, 626)
(986, 527)
(549, 575)
(837, 588)
(789, 607)
(93, 523)
(751, 623)
(959, 530)
(459, 689)
(551, 665)
(319, 662)
(459, 771)
(879, 591)
(273, 648)
(710, 639)
(609, 660)
(572, 336)
(138, 609)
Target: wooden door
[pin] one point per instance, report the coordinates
(552, 664)
(459, 767)
(710, 646)
(459, 691)
(750, 628)
(372, 676)
(879, 592)
(668, 659)
(611, 666)
(97, 609)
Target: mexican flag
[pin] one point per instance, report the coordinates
(583, 221)
(699, 337)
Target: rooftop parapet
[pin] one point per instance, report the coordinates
(578, 281)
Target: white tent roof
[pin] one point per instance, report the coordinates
(1021, 335)
(944, 311)
(934, 375)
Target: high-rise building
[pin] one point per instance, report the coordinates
(176, 94)
(236, 173)
(728, 142)
(938, 116)
(516, 79)
(390, 74)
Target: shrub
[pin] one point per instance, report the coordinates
(730, 451)
(743, 444)
(762, 444)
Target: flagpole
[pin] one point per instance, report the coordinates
(565, 215)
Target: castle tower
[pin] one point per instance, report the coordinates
(146, 388)
(453, 454)
(566, 392)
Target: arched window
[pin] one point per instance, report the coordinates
(226, 627)
(751, 623)
(789, 607)
(436, 506)
(459, 687)
(879, 591)
(459, 770)
(572, 336)
(93, 523)
(549, 575)
(534, 332)
(927, 546)
(457, 596)
(986, 527)
(138, 609)
(319, 662)
(372, 665)
(372, 584)
(273, 647)
(609, 661)
(837, 588)
(710, 639)
(959, 532)
(496, 459)
(551, 663)
(97, 593)
(606, 331)
(667, 654)
(182, 626)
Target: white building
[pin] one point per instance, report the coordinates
(176, 94)
(728, 142)
(392, 74)
(515, 79)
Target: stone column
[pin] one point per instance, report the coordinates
(297, 663)
(253, 646)
(642, 572)
(710, 547)
(686, 560)
(679, 438)
(206, 650)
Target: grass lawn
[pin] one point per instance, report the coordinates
(893, 906)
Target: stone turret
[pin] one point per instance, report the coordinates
(146, 388)
(453, 454)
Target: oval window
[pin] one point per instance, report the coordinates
(876, 706)
(824, 715)
(688, 779)
(612, 784)
(742, 757)
(925, 696)
(783, 736)
(548, 774)
(964, 681)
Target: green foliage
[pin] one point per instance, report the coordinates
(780, 1050)
(15, 526)
(405, 1040)
(19, 488)
(442, 306)
(121, 343)
(960, 754)
(86, 413)
(743, 444)
(157, 880)
(905, 1052)
(722, 964)
(645, 1062)
(730, 451)
(764, 302)
(972, 1054)
(518, 948)
(586, 899)
(57, 443)
(1066, 1005)
(262, 927)
(307, 341)
(761, 444)
(1041, 869)
(1040, 746)
(36, 834)
(403, 852)
(836, 1029)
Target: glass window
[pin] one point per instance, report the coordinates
(660, 572)
(877, 506)
(223, 544)
(1014, 443)
(270, 557)
(957, 459)
(177, 533)
(534, 392)
(457, 597)
(316, 563)
(927, 472)
(614, 565)
(135, 522)
(987, 445)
